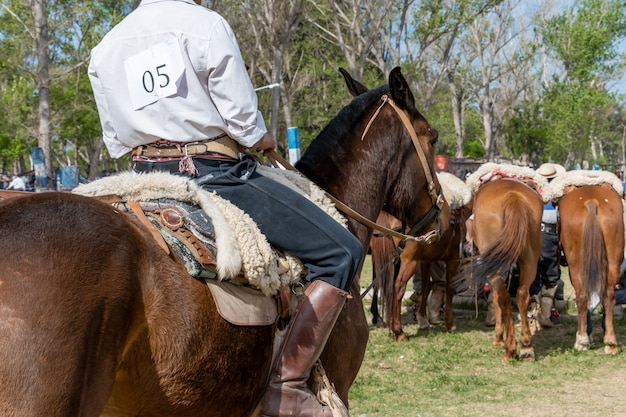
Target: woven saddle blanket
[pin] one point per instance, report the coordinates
(221, 226)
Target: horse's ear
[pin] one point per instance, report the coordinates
(400, 91)
(355, 87)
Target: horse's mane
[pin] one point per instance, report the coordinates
(339, 127)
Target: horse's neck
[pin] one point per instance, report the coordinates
(357, 196)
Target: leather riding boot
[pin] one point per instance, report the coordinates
(545, 311)
(435, 298)
(287, 393)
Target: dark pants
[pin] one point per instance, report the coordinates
(548, 271)
(289, 221)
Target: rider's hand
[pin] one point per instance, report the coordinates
(266, 144)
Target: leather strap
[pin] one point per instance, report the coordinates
(341, 206)
(136, 208)
(223, 145)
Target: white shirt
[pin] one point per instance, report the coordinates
(17, 183)
(172, 70)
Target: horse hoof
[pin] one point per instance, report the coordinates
(451, 329)
(423, 323)
(611, 349)
(498, 343)
(582, 342)
(527, 355)
(580, 347)
(402, 337)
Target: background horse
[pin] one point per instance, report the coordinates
(592, 236)
(97, 319)
(507, 231)
(392, 282)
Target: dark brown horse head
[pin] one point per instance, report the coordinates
(378, 125)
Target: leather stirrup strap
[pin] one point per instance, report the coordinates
(136, 208)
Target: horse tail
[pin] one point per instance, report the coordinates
(382, 258)
(594, 258)
(499, 257)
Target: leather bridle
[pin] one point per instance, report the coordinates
(437, 198)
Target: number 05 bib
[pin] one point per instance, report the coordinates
(154, 73)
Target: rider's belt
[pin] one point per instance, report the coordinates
(223, 145)
(548, 228)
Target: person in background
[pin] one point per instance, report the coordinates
(544, 288)
(172, 89)
(17, 183)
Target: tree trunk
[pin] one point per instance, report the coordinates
(277, 74)
(94, 158)
(623, 151)
(458, 115)
(38, 10)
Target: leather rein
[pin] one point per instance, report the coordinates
(437, 199)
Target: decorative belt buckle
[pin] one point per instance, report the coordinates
(189, 145)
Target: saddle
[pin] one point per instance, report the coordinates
(572, 180)
(528, 176)
(207, 232)
(185, 230)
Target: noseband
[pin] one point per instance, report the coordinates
(437, 199)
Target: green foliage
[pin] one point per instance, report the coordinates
(575, 113)
(16, 119)
(73, 29)
(584, 38)
(566, 120)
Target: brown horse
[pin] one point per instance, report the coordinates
(507, 231)
(97, 319)
(392, 284)
(592, 236)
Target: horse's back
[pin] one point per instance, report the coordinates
(494, 198)
(65, 284)
(575, 205)
(599, 201)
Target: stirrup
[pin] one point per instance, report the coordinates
(325, 391)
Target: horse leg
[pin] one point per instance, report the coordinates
(376, 319)
(422, 315)
(610, 341)
(502, 301)
(451, 268)
(527, 351)
(583, 339)
(404, 274)
(498, 339)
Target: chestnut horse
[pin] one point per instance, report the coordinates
(507, 231)
(392, 281)
(96, 319)
(591, 233)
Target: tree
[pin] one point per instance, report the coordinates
(573, 116)
(48, 41)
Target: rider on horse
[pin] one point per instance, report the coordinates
(172, 89)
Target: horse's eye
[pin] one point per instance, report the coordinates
(434, 136)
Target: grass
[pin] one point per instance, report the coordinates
(461, 374)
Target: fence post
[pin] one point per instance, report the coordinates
(293, 141)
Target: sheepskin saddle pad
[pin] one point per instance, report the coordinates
(457, 194)
(492, 171)
(570, 180)
(206, 231)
